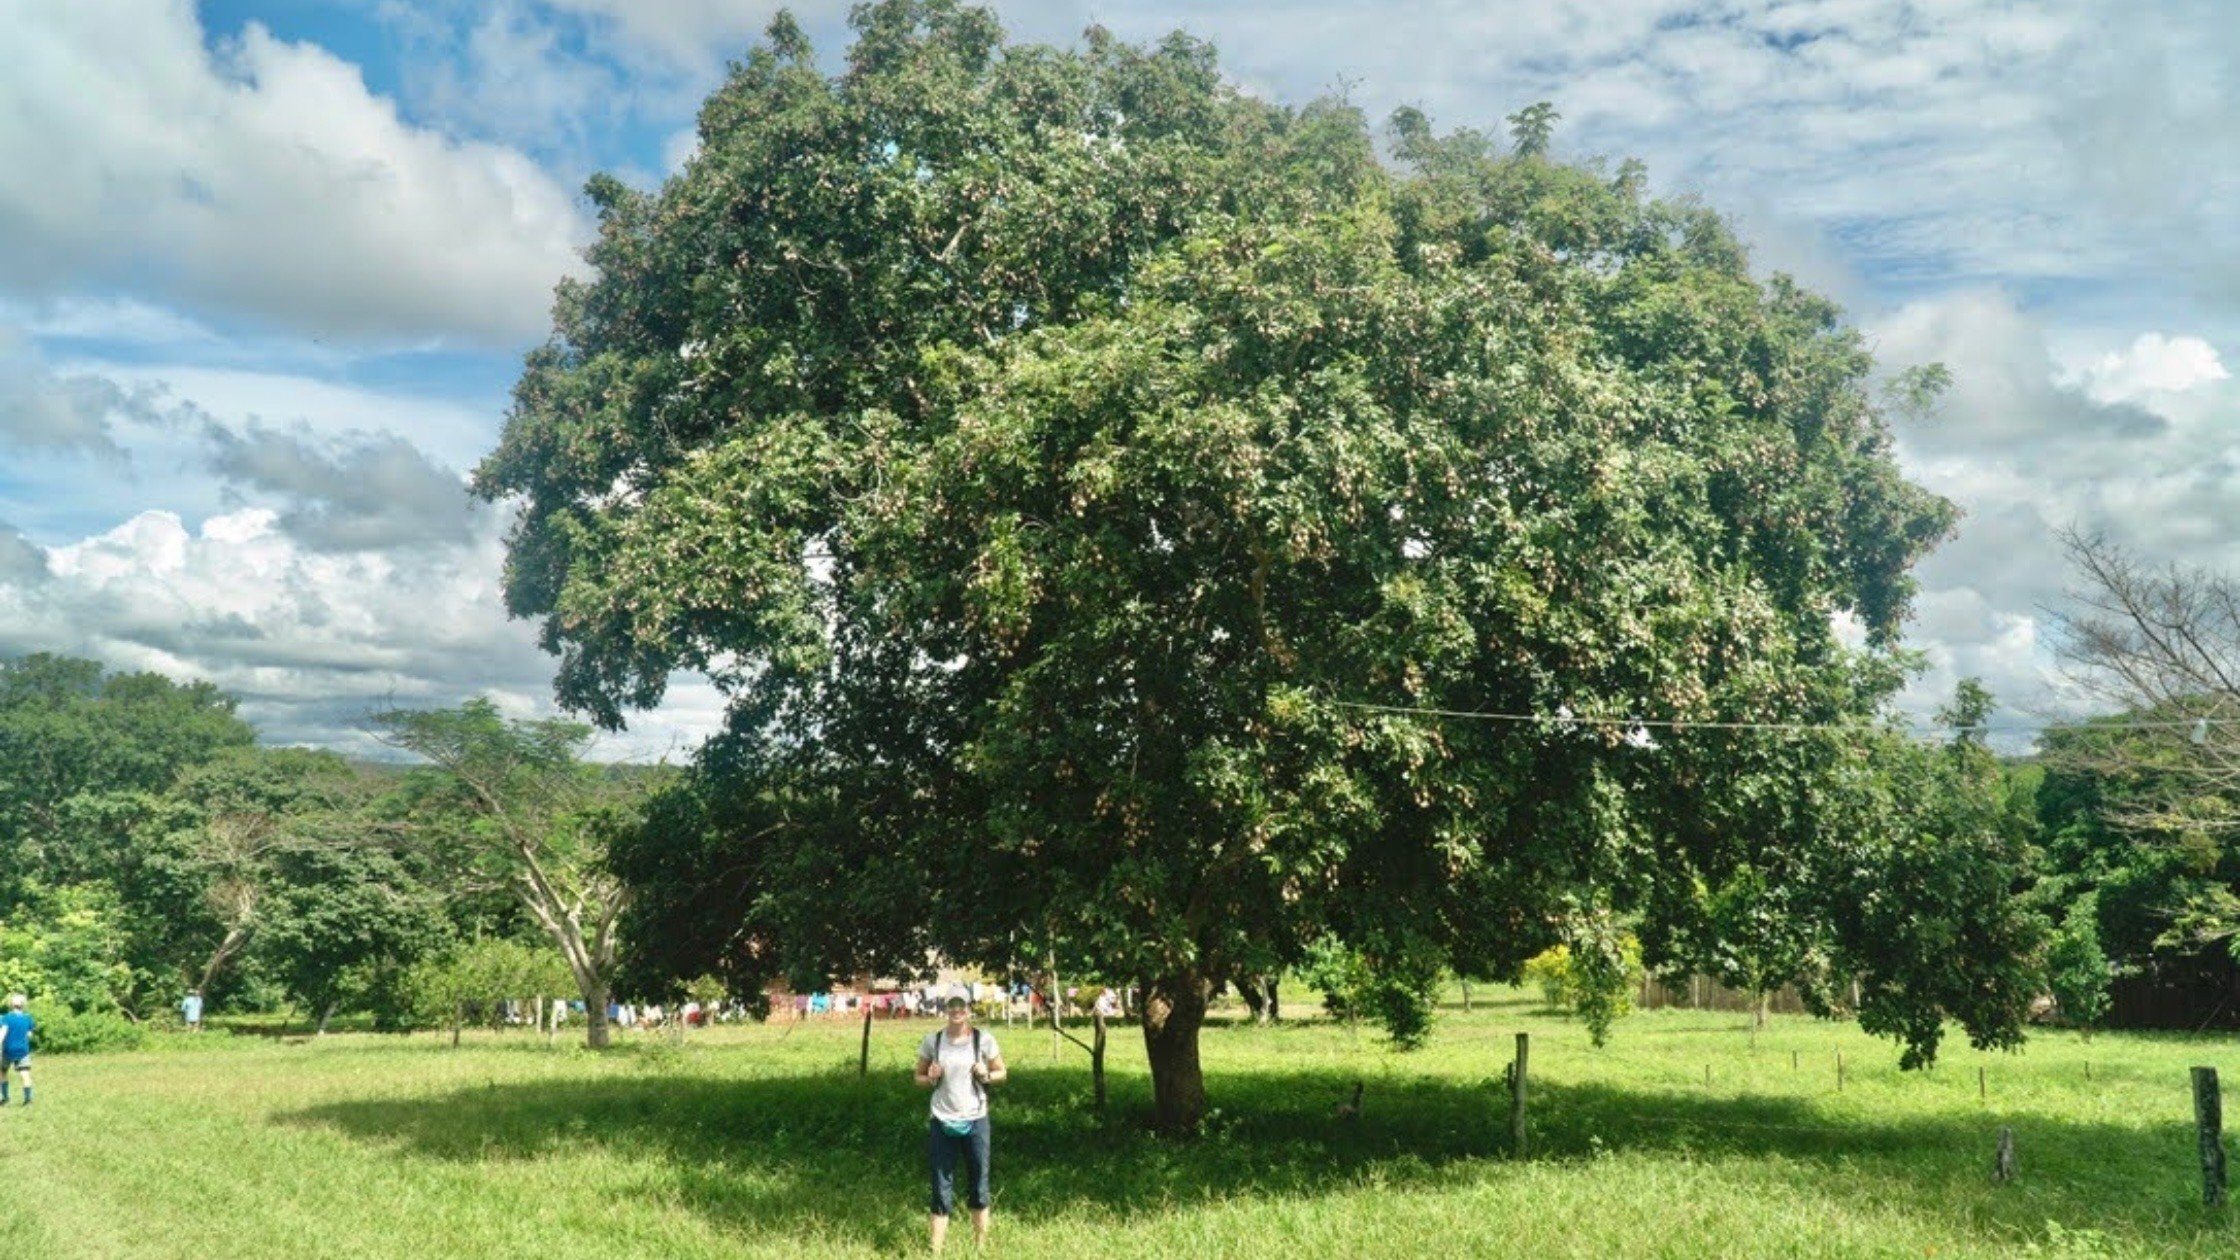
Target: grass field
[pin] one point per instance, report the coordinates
(763, 1141)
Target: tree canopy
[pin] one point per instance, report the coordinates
(511, 806)
(1095, 487)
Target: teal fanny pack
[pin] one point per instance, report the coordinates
(957, 1128)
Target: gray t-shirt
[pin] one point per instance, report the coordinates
(956, 1096)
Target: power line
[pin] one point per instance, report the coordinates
(2199, 725)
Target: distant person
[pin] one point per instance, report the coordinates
(958, 1062)
(190, 1010)
(15, 1047)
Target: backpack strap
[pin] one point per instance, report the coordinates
(979, 1087)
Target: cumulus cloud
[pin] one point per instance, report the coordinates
(22, 562)
(42, 410)
(260, 177)
(310, 641)
(2152, 365)
(2005, 397)
(364, 492)
(2031, 446)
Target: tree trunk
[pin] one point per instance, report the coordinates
(234, 939)
(1096, 1058)
(1174, 1009)
(1259, 992)
(1760, 1008)
(595, 1016)
(863, 1064)
(325, 1013)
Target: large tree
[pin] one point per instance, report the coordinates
(516, 808)
(1087, 480)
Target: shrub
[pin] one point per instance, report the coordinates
(1550, 971)
(2077, 968)
(1394, 988)
(64, 1031)
(1595, 982)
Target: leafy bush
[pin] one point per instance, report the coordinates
(64, 1031)
(440, 992)
(1550, 972)
(1394, 988)
(1594, 982)
(2077, 968)
(64, 946)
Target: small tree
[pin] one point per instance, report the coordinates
(478, 978)
(1594, 981)
(2077, 969)
(1395, 988)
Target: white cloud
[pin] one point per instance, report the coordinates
(363, 492)
(113, 320)
(2029, 448)
(43, 410)
(513, 78)
(309, 641)
(680, 148)
(260, 177)
(692, 32)
(455, 433)
(2154, 364)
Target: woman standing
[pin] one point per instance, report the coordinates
(958, 1063)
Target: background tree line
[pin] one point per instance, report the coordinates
(149, 847)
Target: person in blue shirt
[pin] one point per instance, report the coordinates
(15, 1047)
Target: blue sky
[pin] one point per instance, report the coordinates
(267, 268)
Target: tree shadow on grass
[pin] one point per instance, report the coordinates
(829, 1154)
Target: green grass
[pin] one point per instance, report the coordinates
(762, 1141)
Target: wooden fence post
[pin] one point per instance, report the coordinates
(2208, 1119)
(1983, 1092)
(1839, 1071)
(1516, 1096)
(2002, 1164)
